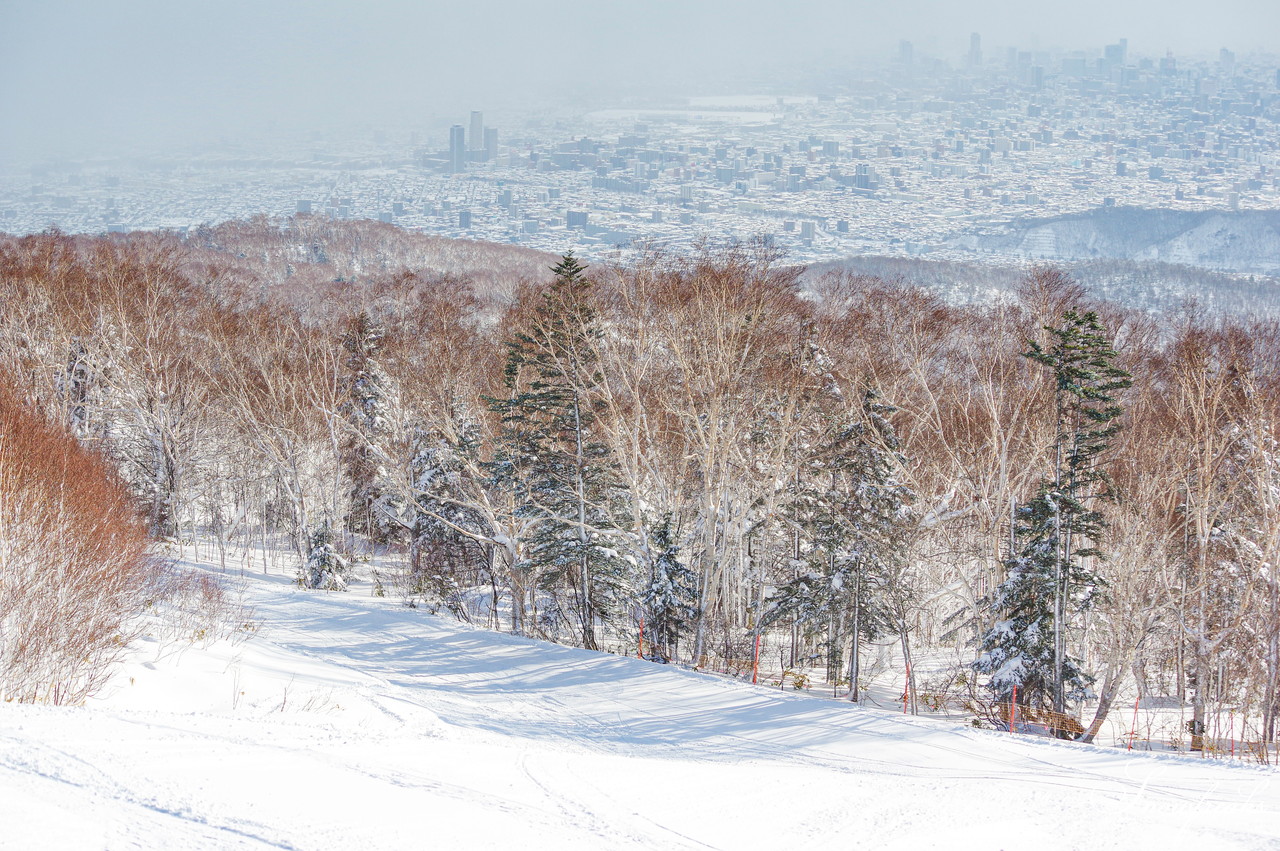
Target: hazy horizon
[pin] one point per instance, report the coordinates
(77, 76)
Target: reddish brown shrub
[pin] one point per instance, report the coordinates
(74, 569)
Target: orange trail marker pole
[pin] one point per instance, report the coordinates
(906, 691)
(1232, 733)
(1013, 709)
(1133, 733)
(755, 662)
(640, 650)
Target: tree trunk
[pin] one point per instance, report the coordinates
(1270, 694)
(588, 616)
(1202, 668)
(855, 645)
(492, 617)
(1110, 685)
(910, 692)
(1140, 676)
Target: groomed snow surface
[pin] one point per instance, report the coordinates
(350, 722)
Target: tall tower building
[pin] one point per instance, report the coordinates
(975, 50)
(1226, 62)
(477, 130)
(457, 149)
(491, 143)
(1116, 55)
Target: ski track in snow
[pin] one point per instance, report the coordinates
(355, 722)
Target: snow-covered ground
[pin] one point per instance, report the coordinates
(350, 722)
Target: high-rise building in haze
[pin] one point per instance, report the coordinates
(906, 52)
(457, 149)
(975, 50)
(1117, 54)
(1226, 62)
(477, 130)
(491, 143)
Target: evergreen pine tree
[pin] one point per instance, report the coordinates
(365, 413)
(1049, 578)
(444, 531)
(326, 568)
(549, 457)
(1018, 651)
(669, 601)
(853, 515)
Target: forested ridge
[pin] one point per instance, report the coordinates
(1076, 493)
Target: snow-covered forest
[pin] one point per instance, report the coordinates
(693, 453)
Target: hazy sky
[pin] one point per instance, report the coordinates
(88, 73)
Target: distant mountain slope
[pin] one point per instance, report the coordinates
(1246, 241)
(301, 253)
(1144, 285)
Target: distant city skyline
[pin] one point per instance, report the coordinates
(77, 75)
(904, 158)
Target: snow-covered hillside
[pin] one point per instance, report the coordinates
(1234, 241)
(354, 722)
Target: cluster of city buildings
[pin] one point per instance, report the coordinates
(905, 158)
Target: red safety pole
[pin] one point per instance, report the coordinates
(1232, 733)
(1133, 733)
(1013, 709)
(906, 690)
(640, 651)
(755, 662)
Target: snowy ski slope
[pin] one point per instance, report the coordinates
(351, 722)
